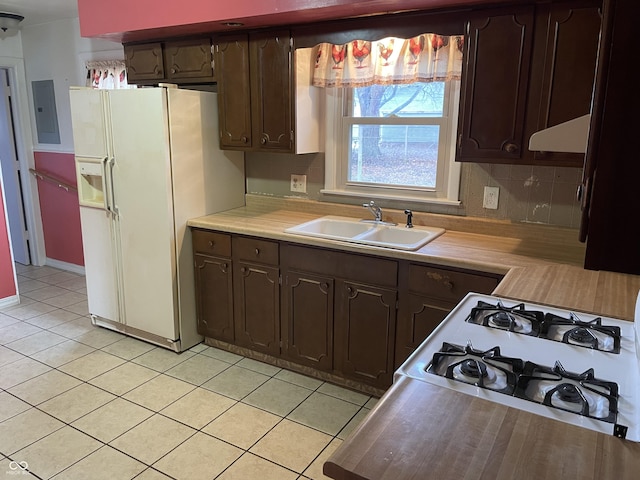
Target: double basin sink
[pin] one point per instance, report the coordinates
(379, 234)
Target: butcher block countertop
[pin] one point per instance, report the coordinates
(421, 431)
(424, 432)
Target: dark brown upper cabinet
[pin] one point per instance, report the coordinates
(145, 63)
(258, 94)
(178, 61)
(255, 91)
(189, 61)
(495, 80)
(566, 88)
(525, 69)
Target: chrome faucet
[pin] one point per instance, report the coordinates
(375, 209)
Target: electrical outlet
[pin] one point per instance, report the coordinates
(490, 199)
(298, 183)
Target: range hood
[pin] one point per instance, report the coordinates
(571, 137)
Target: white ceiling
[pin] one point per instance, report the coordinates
(36, 12)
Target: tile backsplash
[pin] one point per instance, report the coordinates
(544, 195)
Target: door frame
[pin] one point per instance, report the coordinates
(24, 150)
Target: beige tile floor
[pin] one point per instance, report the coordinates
(82, 402)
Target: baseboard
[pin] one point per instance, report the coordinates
(70, 267)
(9, 301)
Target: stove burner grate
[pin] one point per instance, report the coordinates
(578, 393)
(485, 369)
(582, 393)
(549, 326)
(515, 319)
(574, 331)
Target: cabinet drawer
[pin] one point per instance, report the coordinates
(255, 250)
(448, 284)
(211, 243)
(357, 268)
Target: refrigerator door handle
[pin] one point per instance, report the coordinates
(111, 193)
(107, 187)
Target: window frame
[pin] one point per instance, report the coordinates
(338, 142)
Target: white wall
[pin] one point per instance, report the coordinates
(55, 51)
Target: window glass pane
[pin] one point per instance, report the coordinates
(403, 155)
(412, 100)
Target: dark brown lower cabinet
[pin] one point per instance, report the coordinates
(427, 295)
(365, 332)
(307, 319)
(256, 293)
(418, 316)
(214, 297)
(213, 284)
(355, 316)
(257, 307)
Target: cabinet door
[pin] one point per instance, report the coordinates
(257, 307)
(418, 316)
(307, 313)
(189, 61)
(214, 297)
(271, 87)
(234, 92)
(365, 332)
(494, 86)
(571, 52)
(144, 62)
(427, 295)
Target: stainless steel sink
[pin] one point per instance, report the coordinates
(368, 233)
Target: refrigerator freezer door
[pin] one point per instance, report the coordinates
(90, 128)
(90, 125)
(143, 199)
(99, 262)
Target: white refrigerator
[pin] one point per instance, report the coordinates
(147, 160)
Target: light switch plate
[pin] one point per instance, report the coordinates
(490, 199)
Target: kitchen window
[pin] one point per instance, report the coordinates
(393, 141)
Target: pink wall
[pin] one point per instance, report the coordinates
(127, 20)
(60, 209)
(7, 284)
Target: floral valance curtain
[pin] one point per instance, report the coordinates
(426, 58)
(107, 74)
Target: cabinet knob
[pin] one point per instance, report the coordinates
(579, 192)
(173, 70)
(243, 269)
(245, 139)
(263, 140)
(511, 148)
(257, 252)
(211, 243)
(350, 290)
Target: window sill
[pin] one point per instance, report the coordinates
(403, 198)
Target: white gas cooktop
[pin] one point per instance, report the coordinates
(514, 354)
